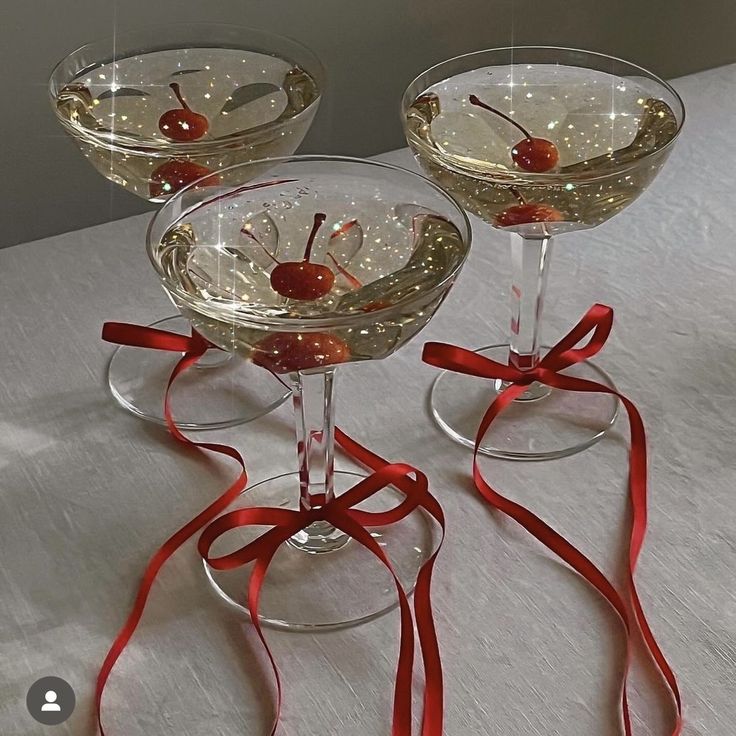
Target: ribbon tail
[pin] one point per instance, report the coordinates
(173, 543)
(255, 584)
(153, 568)
(567, 552)
(402, 716)
(433, 718)
(638, 528)
(598, 320)
(571, 555)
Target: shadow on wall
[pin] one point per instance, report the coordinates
(372, 50)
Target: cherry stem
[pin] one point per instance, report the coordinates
(247, 232)
(177, 91)
(518, 195)
(352, 280)
(344, 228)
(319, 220)
(475, 101)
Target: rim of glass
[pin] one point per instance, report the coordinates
(406, 101)
(316, 70)
(308, 324)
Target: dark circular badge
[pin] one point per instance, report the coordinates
(50, 700)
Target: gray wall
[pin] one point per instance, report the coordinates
(371, 48)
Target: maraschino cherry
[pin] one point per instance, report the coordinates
(175, 174)
(312, 278)
(531, 154)
(286, 352)
(527, 212)
(303, 280)
(182, 125)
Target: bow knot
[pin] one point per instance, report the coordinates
(343, 514)
(525, 377)
(339, 511)
(598, 320)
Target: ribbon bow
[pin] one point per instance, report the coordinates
(598, 320)
(339, 512)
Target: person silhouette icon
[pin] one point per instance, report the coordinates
(50, 700)
(50, 705)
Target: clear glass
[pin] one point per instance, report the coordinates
(599, 129)
(380, 247)
(259, 93)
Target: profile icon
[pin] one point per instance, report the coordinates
(50, 706)
(51, 700)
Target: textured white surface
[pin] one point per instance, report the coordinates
(87, 492)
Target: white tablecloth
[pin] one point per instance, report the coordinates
(87, 492)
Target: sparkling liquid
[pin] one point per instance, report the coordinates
(256, 106)
(610, 132)
(392, 264)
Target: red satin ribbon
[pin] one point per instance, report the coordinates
(598, 320)
(338, 512)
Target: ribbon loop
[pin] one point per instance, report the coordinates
(598, 320)
(138, 336)
(462, 360)
(284, 522)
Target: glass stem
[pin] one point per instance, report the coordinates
(530, 257)
(314, 411)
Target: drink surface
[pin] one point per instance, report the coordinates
(609, 132)
(255, 105)
(391, 264)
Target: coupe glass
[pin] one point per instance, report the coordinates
(571, 139)
(157, 109)
(319, 262)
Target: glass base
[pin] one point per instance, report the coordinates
(325, 580)
(542, 425)
(221, 390)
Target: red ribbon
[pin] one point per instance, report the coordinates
(598, 320)
(339, 512)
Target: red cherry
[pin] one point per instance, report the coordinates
(303, 280)
(286, 352)
(535, 154)
(173, 175)
(531, 154)
(522, 214)
(182, 125)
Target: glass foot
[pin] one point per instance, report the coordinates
(329, 581)
(544, 424)
(221, 390)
